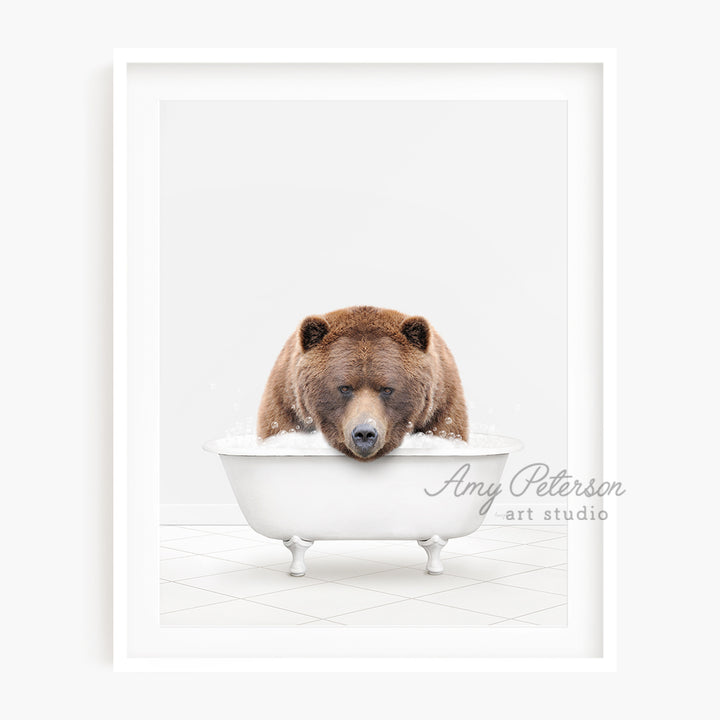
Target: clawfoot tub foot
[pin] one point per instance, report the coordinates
(433, 546)
(297, 547)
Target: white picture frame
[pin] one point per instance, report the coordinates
(139, 642)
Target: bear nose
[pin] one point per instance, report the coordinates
(364, 436)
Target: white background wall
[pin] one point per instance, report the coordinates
(271, 211)
(55, 279)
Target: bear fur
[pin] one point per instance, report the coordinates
(361, 371)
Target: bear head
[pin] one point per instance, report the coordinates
(366, 376)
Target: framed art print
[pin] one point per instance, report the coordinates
(364, 360)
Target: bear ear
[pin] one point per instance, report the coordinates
(417, 331)
(312, 330)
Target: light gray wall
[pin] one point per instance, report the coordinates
(271, 211)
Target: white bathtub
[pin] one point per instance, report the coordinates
(299, 496)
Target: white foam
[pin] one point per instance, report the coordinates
(295, 441)
(240, 439)
(426, 441)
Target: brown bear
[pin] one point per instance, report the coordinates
(365, 377)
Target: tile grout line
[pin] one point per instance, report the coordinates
(524, 622)
(539, 527)
(347, 582)
(212, 574)
(407, 597)
(189, 552)
(534, 568)
(298, 612)
(455, 607)
(197, 607)
(473, 581)
(552, 607)
(515, 561)
(247, 597)
(235, 599)
(269, 566)
(516, 617)
(520, 587)
(326, 554)
(524, 572)
(193, 607)
(537, 543)
(492, 582)
(390, 567)
(319, 552)
(402, 598)
(275, 607)
(327, 582)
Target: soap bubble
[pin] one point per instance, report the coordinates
(274, 425)
(308, 421)
(448, 420)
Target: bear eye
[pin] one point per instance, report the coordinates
(387, 391)
(345, 389)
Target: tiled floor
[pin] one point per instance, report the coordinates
(509, 576)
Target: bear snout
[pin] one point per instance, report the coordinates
(364, 437)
